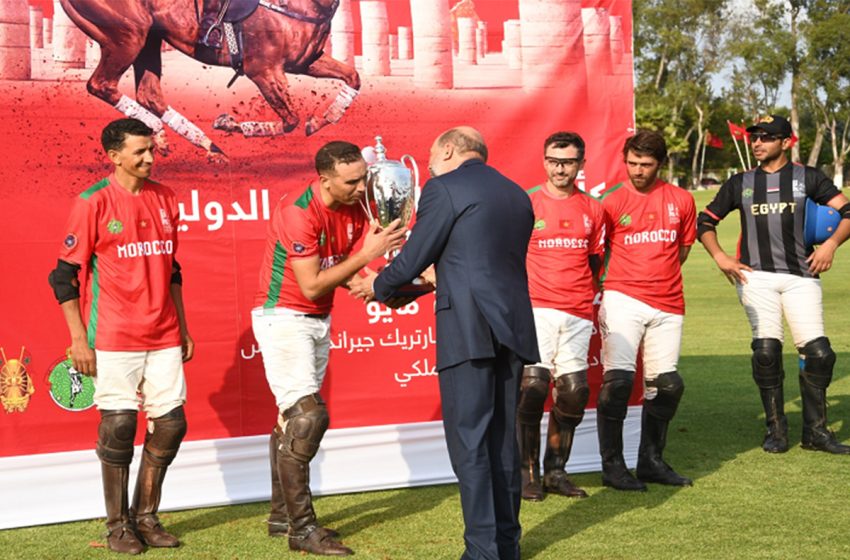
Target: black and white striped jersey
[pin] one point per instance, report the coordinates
(773, 212)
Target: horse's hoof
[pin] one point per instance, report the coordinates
(312, 126)
(226, 123)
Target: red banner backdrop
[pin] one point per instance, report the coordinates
(382, 364)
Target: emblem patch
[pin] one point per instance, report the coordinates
(298, 247)
(69, 388)
(650, 217)
(16, 386)
(625, 220)
(322, 238)
(166, 223)
(540, 224)
(565, 224)
(70, 241)
(114, 226)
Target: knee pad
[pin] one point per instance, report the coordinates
(669, 387)
(767, 363)
(163, 442)
(306, 423)
(533, 391)
(819, 360)
(571, 394)
(614, 394)
(115, 436)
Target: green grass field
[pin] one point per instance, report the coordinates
(744, 503)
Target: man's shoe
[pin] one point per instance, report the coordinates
(319, 542)
(153, 533)
(657, 471)
(122, 538)
(823, 440)
(557, 482)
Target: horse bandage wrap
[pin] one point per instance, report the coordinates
(185, 128)
(342, 102)
(63, 280)
(133, 110)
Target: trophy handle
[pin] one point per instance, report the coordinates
(416, 190)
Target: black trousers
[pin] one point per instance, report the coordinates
(479, 402)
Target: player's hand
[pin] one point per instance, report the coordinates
(821, 259)
(732, 268)
(187, 347)
(82, 357)
(360, 287)
(380, 241)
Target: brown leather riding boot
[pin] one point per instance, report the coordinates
(559, 442)
(146, 503)
(278, 520)
(529, 456)
(120, 535)
(162, 442)
(304, 531)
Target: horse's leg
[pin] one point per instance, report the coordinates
(148, 72)
(272, 84)
(121, 38)
(327, 67)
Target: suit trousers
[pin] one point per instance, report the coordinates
(479, 402)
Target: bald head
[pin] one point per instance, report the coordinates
(455, 146)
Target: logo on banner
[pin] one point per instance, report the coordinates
(114, 226)
(16, 386)
(69, 388)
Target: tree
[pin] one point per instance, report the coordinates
(827, 75)
(678, 46)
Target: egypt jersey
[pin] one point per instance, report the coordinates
(128, 242)
(773, 212)
(566, 232)
(305, 227)
(645, 232)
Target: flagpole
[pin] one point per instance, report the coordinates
(747, 151)
(740, 155)
(702, 160)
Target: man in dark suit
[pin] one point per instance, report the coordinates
(475, 224)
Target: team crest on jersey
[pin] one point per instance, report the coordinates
(540, 224)
(16, 386)
(625, 220)
(143, 224)
(588, 225)
(747, 193)
(672, 213)
(166, 222)
(114, 226)
(650, 216)
(322, 238)
(70, 389)
(798, 187)
(566, 224)
(70, 241)
(298, 247)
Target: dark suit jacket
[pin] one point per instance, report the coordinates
(474, 223)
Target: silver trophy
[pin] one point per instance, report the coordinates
(390, 186)
(392, 193)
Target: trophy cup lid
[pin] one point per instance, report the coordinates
(380, 150)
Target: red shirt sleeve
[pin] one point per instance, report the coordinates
(80, 233)
(689, 215)
(296, 232)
